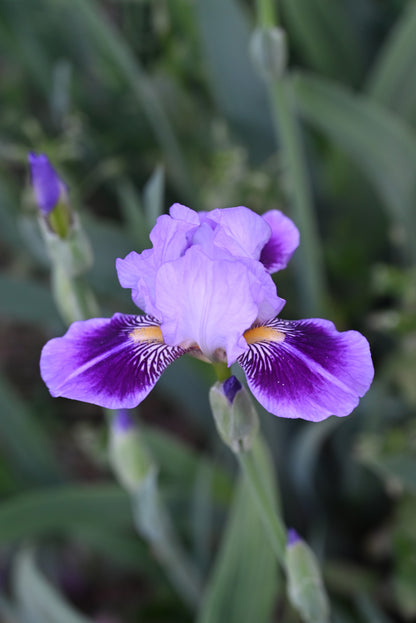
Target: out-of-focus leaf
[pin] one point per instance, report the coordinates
(323, 32)
(393, 78)
(244, 583)
(187, 384)
(239, 93)
(369, 610)
(306, 451)
(38, 600)
(9, 232)
(110, 43)
(383, 147)
(24, 441)
(125, 550)
(60, 510)
(201, 514)
(18, 26)
(392, 455)
(22, 300)
(131, 206)
(109, 242)
(8, 611)
(404, 565)
(153, 196)
(182, 463)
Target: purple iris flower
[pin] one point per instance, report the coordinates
(46, 183)
(207, 290)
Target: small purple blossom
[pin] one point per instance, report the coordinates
(292, 537)
(46, 183)
(230, 387)
(122, 421)
(206, 289)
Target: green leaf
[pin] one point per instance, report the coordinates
(244, 583)
(24, 441)
(393, 78)
(39, 601)
(135, 221)
(321, 29)
(182, 464)
(16, 293)
(59, 510)
(382, 146)
(154, 196)
(238, 91)
(111, 44)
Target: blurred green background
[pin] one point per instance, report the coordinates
(142, 103)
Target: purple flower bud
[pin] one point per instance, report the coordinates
(46, 183)
(123, 421)
(292, 537)
(231, 386)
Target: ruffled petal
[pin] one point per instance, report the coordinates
(277, 252)
(112, 362)
(306, 368)
(181, 213)
(206, 302)
(240, 230)
(138, 271)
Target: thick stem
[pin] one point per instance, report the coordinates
(251, 467)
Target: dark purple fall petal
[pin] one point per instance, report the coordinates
(45, 181)
(307, 369)
(112, 362)
(284, 240)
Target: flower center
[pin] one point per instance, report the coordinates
(263, 334)
(147, 334)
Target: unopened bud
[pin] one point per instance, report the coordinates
(304, 582)
(50, 194)
(268, 50)
(129, 456)
(234, 414)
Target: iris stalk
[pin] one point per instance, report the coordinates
(309, 264)
(251, 468)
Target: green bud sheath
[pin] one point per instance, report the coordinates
(305, 588)
(129, 456)
(234, 414)
(268, 50)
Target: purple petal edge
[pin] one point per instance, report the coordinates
(283, 241)
(310, 370)
(103, 362)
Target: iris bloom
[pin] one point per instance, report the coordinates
(207, 291)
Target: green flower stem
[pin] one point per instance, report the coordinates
(153, 523)
(251, 463)
(73, 296)
(308, 259)
(266, 14)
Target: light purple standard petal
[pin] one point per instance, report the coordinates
(282, 243)
(45, 181)
(239, 230)
(137, 271)
(306, 368)
(112, 362)
(206, 302)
